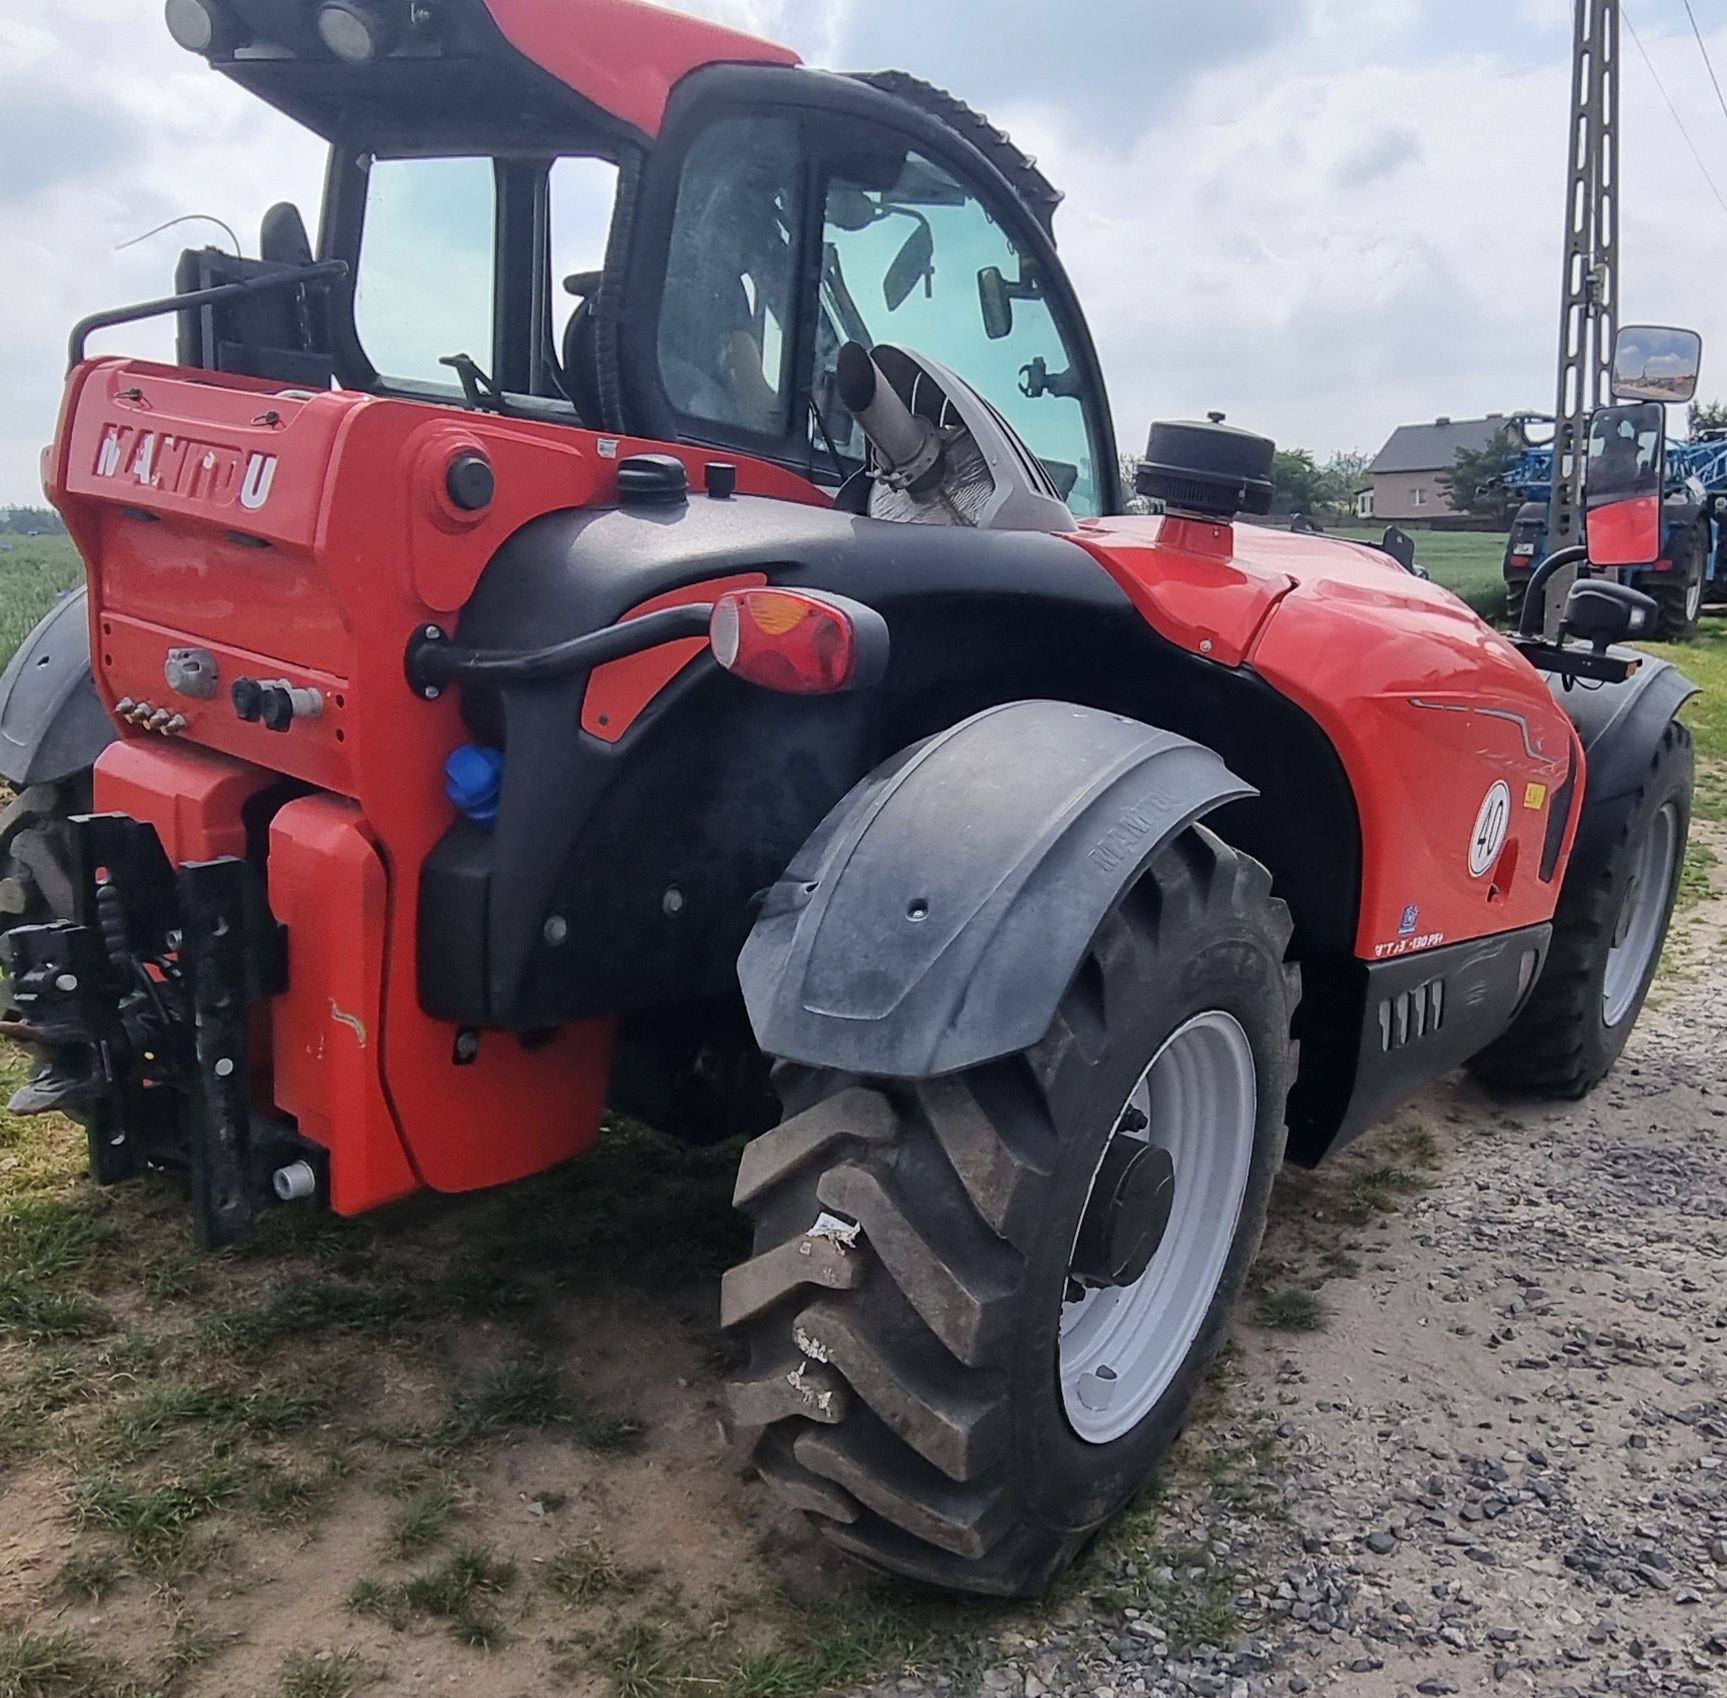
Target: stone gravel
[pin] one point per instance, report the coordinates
(1501, 1467)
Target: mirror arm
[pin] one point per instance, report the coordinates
(1534, 596)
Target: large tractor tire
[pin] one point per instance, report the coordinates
(980, 1306)
(1680, 595)
(36, 874)
(1516, 589)
(1607, 938)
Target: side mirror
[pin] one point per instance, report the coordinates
(850, 208)
(1653, 362)
(1603, 613)
(996, 303)
(1623, 482)
(912, 265)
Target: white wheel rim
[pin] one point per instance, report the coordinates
(1121, 1347)
(1642, 916)
(1693, 600)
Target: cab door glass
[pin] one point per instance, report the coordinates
(925, 264)
(580, 195)
(426, 277)
(725, 333)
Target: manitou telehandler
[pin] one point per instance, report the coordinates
(691, 659)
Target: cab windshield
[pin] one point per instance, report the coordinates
(756, 304)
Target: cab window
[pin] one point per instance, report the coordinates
(726, 328)
(424, 285)
(926, 264)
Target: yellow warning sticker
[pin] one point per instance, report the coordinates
(1535, 796)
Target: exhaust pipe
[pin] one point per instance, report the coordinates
(909, 448)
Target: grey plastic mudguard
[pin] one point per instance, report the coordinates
(1621, 726)
(936, 917)
(52, 722)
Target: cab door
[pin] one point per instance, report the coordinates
(786, 212)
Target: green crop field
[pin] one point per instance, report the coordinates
(33, 571)
(1468, 563)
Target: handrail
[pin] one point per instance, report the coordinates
(321, 275)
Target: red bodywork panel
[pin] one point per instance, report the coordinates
(304, 539)
(619, 690)
(624, 55)
(1389, 667)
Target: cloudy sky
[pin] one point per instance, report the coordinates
(1325, 217)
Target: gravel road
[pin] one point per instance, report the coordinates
(1501, 1464)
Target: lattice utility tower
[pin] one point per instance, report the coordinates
(1589, 304)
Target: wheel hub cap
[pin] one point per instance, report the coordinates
(1128, 1214)
(1156, 1232)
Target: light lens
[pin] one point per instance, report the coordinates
(350, 33)
(802, 645)
(723, 631)
(192, 24)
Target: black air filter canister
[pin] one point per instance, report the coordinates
(1210, 469)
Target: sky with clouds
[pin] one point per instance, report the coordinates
(1325, 217)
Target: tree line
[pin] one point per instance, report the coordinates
(22, 521)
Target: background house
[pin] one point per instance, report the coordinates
(1406, 484)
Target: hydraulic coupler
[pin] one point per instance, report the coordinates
(139, 1008)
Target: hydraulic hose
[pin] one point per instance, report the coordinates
(435, 661)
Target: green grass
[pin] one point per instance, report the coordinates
(334, 1674)
(58, 1665)
(462, 1592)
(45, 1242)
(522, 1395)
(1379, 1191)
(32, 575)
(88, 1576)
(150, 1421)
(422, 1521)
(1704, 661)
(1291, 1308)
(665, 1656)
(584, 1570)
(154, 1518)
(1471, 564)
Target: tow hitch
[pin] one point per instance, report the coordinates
(140, 1010)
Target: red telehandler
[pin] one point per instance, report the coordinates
(709, 674)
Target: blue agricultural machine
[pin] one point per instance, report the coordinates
(1692, 570)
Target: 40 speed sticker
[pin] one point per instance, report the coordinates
(1491, 826)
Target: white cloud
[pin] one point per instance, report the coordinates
(1241, 255)
(1328, 219)
(153, 134)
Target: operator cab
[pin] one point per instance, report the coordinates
(687, 274)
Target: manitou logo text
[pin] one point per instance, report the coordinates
(197, 471)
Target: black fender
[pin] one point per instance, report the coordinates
(936, 917)
(52, 722)
(1621, 726)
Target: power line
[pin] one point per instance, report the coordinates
(1674, 110)
(1701, 48)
